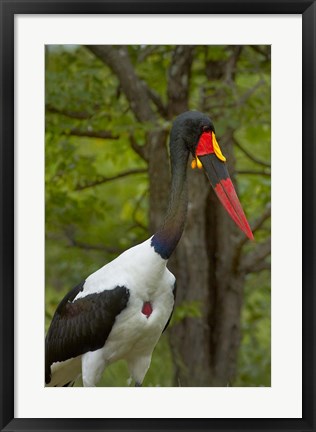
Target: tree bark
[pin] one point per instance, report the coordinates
(190, 338)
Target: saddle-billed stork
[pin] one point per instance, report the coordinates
(121, 310)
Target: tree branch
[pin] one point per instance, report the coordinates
(103, 134)
(262, 218)
(154, 97)
(140, 150)
(264, 51)
(102, 180)
(263, 265)
(134, 89)
(139, 224)
(72, 242)
(80, 115)
(250, 156)
(178, 79)
(254, 258)
(98, 247)
(144, 53)
(254, 172)
(231, 63)
(241, 101)
(249, 93)
(255, 226)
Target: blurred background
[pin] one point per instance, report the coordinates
(109, 110)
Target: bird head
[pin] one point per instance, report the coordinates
(197, 132)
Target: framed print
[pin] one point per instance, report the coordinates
(98, 99)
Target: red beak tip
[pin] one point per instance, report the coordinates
(248, 232)
(227, 195)
(251, 236)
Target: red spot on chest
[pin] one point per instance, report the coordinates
(147, 309)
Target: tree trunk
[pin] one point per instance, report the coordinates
(190, 338)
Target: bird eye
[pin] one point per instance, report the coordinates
(206, 128)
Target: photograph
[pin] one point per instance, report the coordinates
(157, 215)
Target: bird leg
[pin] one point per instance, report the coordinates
(93, 365)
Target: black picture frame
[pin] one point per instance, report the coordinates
(9, 8)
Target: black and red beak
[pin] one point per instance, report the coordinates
(208, 153)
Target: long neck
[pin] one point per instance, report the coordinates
(166, 239)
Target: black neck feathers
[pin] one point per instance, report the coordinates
(166, 239)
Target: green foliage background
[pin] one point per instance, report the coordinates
(86, 227)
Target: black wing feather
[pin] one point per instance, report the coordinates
(174, 291)
(82, 325)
